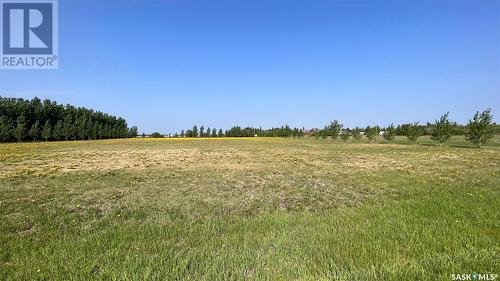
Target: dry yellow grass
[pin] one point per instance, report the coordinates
(265, 208)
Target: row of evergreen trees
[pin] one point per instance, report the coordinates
(33, 120)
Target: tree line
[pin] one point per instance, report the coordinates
(34, 120)
(237, 132)
(478, 131)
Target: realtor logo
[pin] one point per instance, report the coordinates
(29, 34)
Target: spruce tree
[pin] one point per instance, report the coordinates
(480, 128)
(220, 134)
(47, 131)
(214, 133)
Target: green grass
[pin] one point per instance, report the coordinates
(235, 209)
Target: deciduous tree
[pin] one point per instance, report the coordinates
(389, 133)
(58, 130)
(6, 129)
(195, 131)
(21, 131)
(413, 132)
(35, 131)
(356, 133)
(47, 131)
(371, 132)
(443, 129)
(480, 128)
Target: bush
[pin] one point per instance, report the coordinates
(344, 135)
(156, 135)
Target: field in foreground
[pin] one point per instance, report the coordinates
(231, 209)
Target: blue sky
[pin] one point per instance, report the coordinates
(166, 65)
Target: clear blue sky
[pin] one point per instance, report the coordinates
(166, 65)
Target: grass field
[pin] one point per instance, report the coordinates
(233, 209)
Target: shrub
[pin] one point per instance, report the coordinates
(344, 135)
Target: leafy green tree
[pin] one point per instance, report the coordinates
(389, 133)
(21, 131)
(81, 127)
(443, 129)
(58, 130)
(344, 135)
(202, 131)
(100, 131)
(6, 129)
(371, 133)
(413, 132)
(214, 133)
(195, 131)
(183, 134)
(156, 135)
(47, 131)
(68, 127)
(133, 132)
(220, 134)
(95, 131)
(323, 133)
(356, 134)
(334, 129)
(481, 128)
(35, 131)
(89, 128)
